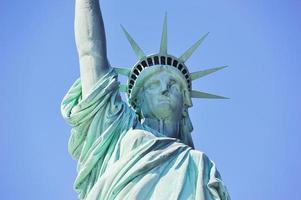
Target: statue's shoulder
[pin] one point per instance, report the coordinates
(199, 157)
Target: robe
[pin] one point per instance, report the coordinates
(120, 158)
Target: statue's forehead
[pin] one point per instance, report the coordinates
(162, 74)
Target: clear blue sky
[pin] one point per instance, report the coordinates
(254, 138)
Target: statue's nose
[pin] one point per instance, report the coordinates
(165, 92)
(164, 89)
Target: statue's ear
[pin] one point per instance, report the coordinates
(187, 99)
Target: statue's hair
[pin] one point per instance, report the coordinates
(186, 128)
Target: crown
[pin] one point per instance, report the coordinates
(163, 58)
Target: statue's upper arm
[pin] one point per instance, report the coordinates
(90, 42)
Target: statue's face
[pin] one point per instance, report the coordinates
(162, 97)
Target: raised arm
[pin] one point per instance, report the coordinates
(91, 43)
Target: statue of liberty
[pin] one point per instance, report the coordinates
(142, 149)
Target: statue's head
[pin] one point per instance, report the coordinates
(161, 92)
(160, 85)
(161, 95)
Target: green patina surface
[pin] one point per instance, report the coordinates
(120, 158)
(141, 150)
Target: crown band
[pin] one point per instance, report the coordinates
(155, 60)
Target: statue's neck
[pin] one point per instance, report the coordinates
(169, 128)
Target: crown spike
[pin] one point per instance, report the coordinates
(123, 88)
(203, 95)
(123, 71)
(199, 74)
(190, 51)
(138, 51)
(163, 46)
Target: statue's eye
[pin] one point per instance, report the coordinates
(172, 83)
